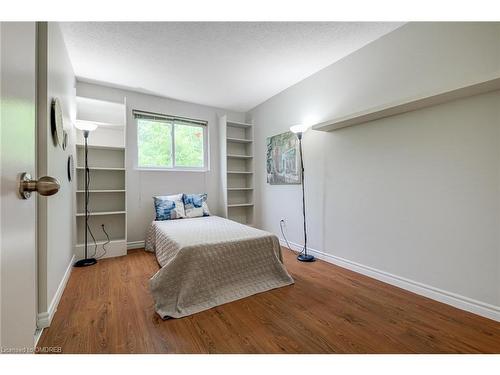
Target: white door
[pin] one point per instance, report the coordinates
(18, 297)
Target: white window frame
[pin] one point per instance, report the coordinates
(196, 123)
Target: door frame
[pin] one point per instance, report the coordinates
(41, 162)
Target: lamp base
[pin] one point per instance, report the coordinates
(85, 262)
(306, 258)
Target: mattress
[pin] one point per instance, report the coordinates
(209, 261)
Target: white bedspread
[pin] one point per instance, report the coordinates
(209, 261)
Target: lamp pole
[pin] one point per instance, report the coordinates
(303, 256)
(87, 261)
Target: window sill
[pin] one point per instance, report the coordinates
(170, 170)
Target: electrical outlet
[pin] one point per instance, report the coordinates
(283, 222)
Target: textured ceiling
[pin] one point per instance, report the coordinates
(229, 65)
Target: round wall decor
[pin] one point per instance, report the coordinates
(70, 167)
(56, 122)
(65, 140)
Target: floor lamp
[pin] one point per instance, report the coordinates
(299, 130)
(86, 128)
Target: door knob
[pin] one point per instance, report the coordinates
(44, 186)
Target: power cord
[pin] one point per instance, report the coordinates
(283, 234)
(105, 243)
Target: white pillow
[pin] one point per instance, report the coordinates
(195, 205)
(169, 207)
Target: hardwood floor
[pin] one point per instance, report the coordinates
(107, 308)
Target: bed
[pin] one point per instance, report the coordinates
(209, 261)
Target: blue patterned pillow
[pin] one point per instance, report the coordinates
(169, 207)
(195, 205)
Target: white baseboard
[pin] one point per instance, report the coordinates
(135, 245)
(38, 334)
(45, 318)
(456, 300)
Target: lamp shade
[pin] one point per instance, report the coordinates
(85, 125)
(299, 128)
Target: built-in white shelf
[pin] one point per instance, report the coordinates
(104, 113)
(100, 147)
(409, 104)
(102, 213)
(112, 125)
(238, 124)
(239, 140)
(237, 167)
(107, 160)
(102, 168)
(113, 247)
(102, 242)
(240, 205)
(234, 156)
(103, 191)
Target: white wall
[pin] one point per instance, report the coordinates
(143, 185)
(56, 220)
(416, 195)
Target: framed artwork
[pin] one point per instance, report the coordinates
(283, 159)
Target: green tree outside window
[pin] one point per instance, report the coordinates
(155, 144)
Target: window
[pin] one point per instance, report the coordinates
(168, 142)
